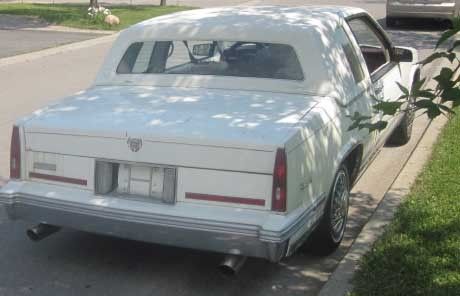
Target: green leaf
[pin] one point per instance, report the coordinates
(454, 46)
(424, 94)
(445, 36)
(403, 98)
(403, 88)
(424, 104)
(388, 108)
(438, 55)
(418, 84)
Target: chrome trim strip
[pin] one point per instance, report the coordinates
(165, 220)
(131, 216)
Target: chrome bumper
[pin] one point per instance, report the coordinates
(254, 233)
(442, 11)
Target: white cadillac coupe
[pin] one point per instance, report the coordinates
(219, 129)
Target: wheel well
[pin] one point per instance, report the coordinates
(353, 162)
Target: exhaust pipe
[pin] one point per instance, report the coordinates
(232, 264)
(41, 231)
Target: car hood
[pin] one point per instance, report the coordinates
(181, 114)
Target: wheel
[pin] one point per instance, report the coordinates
(329, 233)
(391, 22)
(402, 134)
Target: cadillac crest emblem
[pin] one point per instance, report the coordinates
(135, 144)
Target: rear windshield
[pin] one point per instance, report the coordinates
(219, 58)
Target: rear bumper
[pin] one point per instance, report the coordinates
(442, 11)
(233, 231)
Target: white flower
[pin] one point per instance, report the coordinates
(101, 9)
(89, 8)
(107, 12)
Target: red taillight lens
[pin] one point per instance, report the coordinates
(279, 194)
(15, 154)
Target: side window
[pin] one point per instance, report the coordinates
(352, 58)
(374, 51)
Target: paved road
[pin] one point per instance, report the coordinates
(14, 42)
(75, 263)
(18, 35)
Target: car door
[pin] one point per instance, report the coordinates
(377, 52)
(360, 91)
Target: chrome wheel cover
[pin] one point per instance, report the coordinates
(339, 206)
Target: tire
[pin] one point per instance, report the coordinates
(402, 134)
(391, 22)
(327, 237)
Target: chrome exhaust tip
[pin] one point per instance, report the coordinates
(41, 231)
(232, 264)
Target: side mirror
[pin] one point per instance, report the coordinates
(203, 50)
(402, 55)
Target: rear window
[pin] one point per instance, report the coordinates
(219, 58)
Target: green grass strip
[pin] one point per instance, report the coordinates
(76, 15)
(420, 252)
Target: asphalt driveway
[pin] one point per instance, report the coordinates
(19, 34)
(14, 42)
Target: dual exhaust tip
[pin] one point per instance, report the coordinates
(230, 266)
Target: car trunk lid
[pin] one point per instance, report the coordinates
(245, 120)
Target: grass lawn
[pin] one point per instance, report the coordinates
(420, 252)
(76, 15)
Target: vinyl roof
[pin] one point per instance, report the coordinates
(310, 30)
(255, 21)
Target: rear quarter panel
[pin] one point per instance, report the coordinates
(318, 149)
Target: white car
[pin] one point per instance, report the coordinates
(438, 9)
(220, 129)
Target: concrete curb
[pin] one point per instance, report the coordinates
(55, 50)
(339, 282)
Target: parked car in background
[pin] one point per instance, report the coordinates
(222, 129)
(437, 9)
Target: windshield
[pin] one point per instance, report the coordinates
(219, 58)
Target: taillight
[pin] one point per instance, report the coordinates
(15, 154)
(279, 194)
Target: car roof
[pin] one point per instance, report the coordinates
(227, 22)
